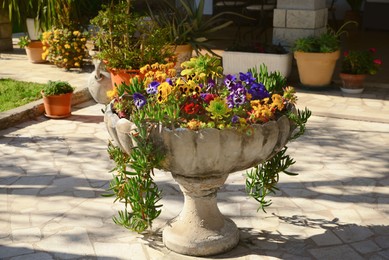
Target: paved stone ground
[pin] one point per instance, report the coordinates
(53, 172)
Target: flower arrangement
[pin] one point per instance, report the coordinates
(360, 62)
(65, 48)
(201, 97)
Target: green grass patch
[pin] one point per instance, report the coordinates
(15, 93)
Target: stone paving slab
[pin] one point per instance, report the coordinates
(53, 172)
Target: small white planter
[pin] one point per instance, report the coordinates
(235, 62)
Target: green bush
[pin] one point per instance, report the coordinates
(57, 88)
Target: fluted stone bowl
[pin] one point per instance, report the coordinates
(207, 151)
(212, 151)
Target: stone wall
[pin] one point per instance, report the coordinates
(294, 19)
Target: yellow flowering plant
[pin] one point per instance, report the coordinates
(200, 97)
(65, 48)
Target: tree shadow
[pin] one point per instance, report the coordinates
(334, 240)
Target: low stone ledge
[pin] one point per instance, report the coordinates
(34, 109)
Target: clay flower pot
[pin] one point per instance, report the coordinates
(316, 69)
(34, 52)
(120, 76)
(57, 106)
(352, 83)
(200, 162)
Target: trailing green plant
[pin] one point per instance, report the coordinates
(57, 88)
(262, 179)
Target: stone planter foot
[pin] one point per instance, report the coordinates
(200, 229)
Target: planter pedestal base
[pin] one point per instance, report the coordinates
(200, 229)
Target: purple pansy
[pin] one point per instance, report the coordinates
(246, 77)
(153, 88)
(229, 81)
(237, 97)
(258, 91)
(139, 100)
(235, 119)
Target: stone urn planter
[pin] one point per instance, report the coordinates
(200, 162)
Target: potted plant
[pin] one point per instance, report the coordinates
(188, 28)
(356, 66)
(34, 49)
(126, 41)
(57, 97)
(65, 48)
(200, 126)
(316, 57)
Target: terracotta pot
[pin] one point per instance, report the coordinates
(200, 162)
(183, 53)
(34, 52)
(352, 83)
(57, 106)
(120, 76)
(316, 69)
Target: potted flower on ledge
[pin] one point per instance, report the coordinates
(200, 126)
(57, 99)
(356, 66)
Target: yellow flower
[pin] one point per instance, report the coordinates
(65, 60)
(194, 124)
(144, 69)
(76, 33)
(67, 46)
(164, 90)
(261, 110)
(112, 93)
(172, 73)
(77, 64)
(278, 102)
